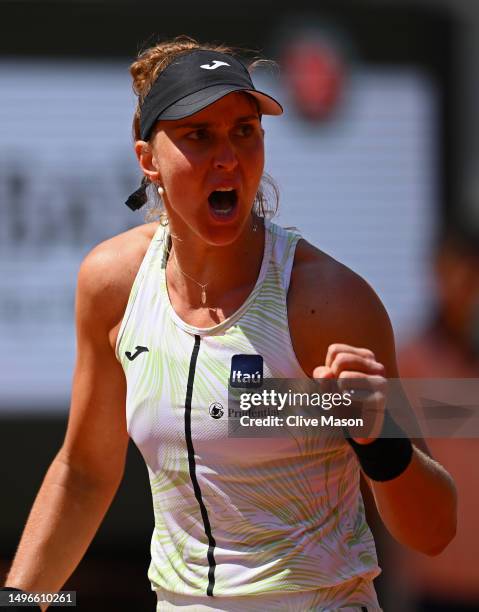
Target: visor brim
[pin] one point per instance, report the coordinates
(197, 101)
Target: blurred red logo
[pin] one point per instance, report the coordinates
(315, 76)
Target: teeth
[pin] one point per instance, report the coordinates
(225, 189)
(224, 212)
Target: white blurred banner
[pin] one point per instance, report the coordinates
(362, 188)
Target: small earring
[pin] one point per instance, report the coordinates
(161, 191)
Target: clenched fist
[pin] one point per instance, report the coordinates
(356, 370)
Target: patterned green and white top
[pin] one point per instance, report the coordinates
(234, 517)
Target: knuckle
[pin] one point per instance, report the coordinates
(342, 359)
(334, 348)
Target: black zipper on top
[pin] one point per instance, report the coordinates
(192, 467)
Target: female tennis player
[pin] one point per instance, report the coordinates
(170, 312)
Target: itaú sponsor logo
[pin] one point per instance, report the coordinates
(246, 371)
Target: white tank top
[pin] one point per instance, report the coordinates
(234, 517)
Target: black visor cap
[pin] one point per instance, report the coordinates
(193, 81)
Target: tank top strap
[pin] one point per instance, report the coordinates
(284, 248)
(151, 257)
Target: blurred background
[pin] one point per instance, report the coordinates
(377, 161)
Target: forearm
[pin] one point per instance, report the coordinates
(419, 506)
(64, 518)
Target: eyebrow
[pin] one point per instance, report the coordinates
(205, 124)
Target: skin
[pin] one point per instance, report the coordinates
(221, 146)
(331, 339)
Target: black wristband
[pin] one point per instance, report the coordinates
(33, 608)
(385, 458)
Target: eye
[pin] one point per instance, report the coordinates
(199, 134)
(245, 129)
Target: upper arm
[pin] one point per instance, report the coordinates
(96, 439)
(374, 330)
(332, 305)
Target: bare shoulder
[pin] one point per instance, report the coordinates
(107, 273)
(329, 303)
(317, 279)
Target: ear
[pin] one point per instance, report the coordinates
(144, 154)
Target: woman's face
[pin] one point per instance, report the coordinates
(210, 165)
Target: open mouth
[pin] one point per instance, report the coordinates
(223, 202)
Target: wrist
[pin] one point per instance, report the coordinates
(19, 608)
(383, 458)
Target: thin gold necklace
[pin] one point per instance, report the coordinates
(203, 286)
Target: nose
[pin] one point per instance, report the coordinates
(225, 155)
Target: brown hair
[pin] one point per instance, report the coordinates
(145, 70)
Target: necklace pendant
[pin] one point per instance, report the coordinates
(203, 296)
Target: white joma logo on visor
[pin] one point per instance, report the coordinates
(214, 65)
